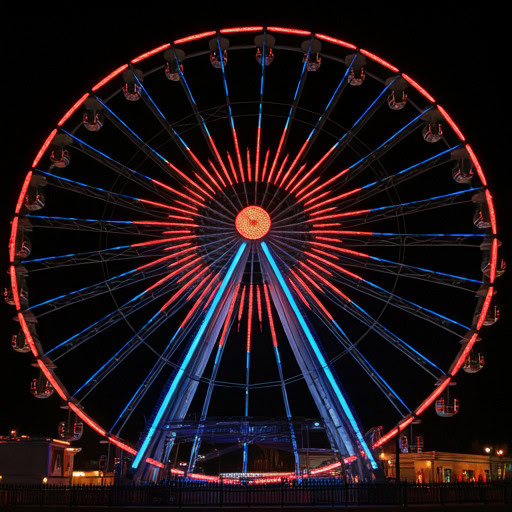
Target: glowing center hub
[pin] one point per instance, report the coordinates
(253, 222)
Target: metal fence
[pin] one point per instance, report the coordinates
(308, 493)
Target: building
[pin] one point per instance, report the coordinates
(433, 466)
(35, 460)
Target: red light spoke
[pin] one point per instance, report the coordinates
(270, 318)
(232, 167)
(325, 281)
(241, 306)
(265, 163)
(219, 177)
(185, 286)
(281, 169)
(212, 295)
(196, 305)
(227, 321)
(258, 301)
(299, 293)
(314, 297)
(249, 173)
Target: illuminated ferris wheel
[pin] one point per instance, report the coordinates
(247, 211)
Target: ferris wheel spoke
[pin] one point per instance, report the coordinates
(364, 260)
(308, 144)
(185, 149)
(380, 213)
(202, 125)
(348, 305)
(351, 172)
(96, 290)
(124, 227)
(163, 359)
(114, 198)
(368, 287)
(136, 177)
(231, 120)
(211, 383)
(328, 158)
(120, 252)
(390, 394)
(289, 120)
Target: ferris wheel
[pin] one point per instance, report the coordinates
(249, 212)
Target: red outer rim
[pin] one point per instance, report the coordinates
(37, 350)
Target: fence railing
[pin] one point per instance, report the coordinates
(314, 493)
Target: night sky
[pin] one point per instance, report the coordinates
(460, 58)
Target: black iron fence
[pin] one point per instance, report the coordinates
(314, 493)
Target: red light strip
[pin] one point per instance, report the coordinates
(14, 286)
(485, 308)
(178, 472)
(241, 306)
(81, 414)
(294, 163)
(48, 374)
(184, 287)
(324, 469)
(312, 281)
(109, 77)
(299, 293)
(44, 147)
(339, 42)
(219, 159)
(28, 335)
(325, 253)
(217, 173)
(325, 281)
(270, 318)
(333, 265)
(265, 165)
(405, 423)
(257, 163)
(249, 174)
(476, 163)
(174, 191)
(450, 121)
(202, 35)
(182, 260)
(466, 350)
(206, 478)
(494, 260)
(73, 109)
(341, 196)
(379, 60)
(492, 213)
(258, 301)
(154, 462)
(232, 167)
(386, 438)
(323, 185)
(299, 171)
(212, 295)
(338, 215)
(418, 87)
(426, 403)
(278, 152)
(323, 211)
(227, 321)
(240, 29)
(314, 168)
(184, 211)
(23, 192)
(238, 156)
(12, 239)
(339, 249)
(122, 445)
(313, 296)
(249, 319)
(284, 30)
(198, 301)
(201, 284)
(150, 53)
(159, 260)
(205, 170)
(281, 168)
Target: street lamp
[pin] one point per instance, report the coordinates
(487, 449)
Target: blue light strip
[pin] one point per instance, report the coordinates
(190, 353)
(320, 357)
